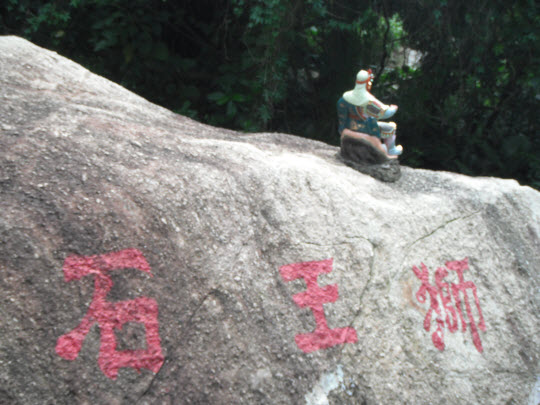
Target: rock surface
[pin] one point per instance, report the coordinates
(173, 246)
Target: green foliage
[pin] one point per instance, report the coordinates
(252, 65)
(480, 67)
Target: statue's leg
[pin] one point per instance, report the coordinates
(388, 133)
(393, 149)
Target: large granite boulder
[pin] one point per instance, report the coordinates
(146, 258)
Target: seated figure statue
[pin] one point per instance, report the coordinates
(359, 113)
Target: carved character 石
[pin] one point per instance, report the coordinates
(113, 315)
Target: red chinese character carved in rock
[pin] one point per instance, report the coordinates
(314, 297)
(113, 315)
(445, 312)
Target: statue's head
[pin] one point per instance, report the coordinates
(360, 95)
(365, 77)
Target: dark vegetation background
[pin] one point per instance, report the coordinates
(468, 103)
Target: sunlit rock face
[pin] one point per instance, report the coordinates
(147, 258)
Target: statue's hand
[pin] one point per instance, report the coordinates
(391, 111)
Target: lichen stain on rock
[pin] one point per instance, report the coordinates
(328, 382)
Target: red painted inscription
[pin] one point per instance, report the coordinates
(446, 313)
(112, 315)
(314, 297)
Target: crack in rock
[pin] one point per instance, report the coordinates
(441, 227)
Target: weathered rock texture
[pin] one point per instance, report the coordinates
(89, 169)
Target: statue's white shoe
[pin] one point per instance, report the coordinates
(395, 150)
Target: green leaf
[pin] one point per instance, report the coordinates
(218, 97)
(161, 52)
(231, 109)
